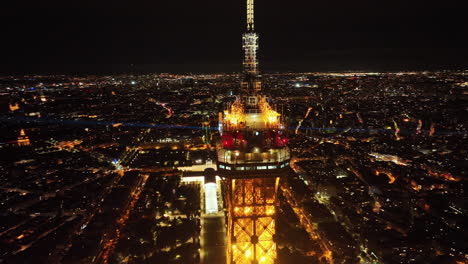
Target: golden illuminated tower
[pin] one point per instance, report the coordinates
(252, 156)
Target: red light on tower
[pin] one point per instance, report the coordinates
(228, 141)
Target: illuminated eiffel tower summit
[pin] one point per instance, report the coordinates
(252, 156)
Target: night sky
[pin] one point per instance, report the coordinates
(103, 36)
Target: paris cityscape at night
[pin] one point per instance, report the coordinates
(186, 163)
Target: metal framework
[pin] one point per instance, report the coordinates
(252, 156)
(250, 15)
(251, 83)
(251, 226)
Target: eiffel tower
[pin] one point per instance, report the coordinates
(252, 156)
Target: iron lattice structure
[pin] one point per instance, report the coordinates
(251, 227)
(251, 83)
(252, 156)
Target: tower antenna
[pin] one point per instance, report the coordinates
(250, 16)
(251, 84)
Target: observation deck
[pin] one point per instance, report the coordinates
(253, 140)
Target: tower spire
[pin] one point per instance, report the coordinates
(251, 84)
(250, 15)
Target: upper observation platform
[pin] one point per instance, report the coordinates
(253, 140)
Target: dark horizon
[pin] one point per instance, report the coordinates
(110, 37)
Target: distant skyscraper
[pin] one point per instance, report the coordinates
(252, 156)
